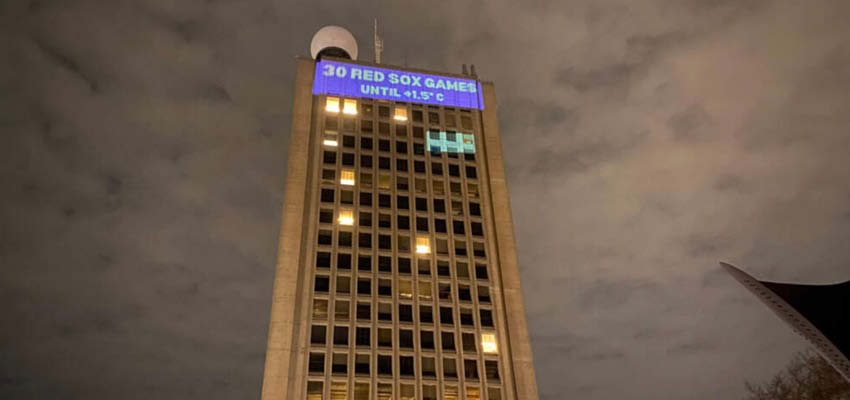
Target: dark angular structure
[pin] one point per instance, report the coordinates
(819, 313)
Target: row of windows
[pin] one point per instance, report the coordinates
(399, 112)
(422, 223)
(406, 366)
(384, 339)
(404, 289)
(385, 242)
(344, 261)
(384, 313)
(331, 141)
(402, 202)
(401, 164)
(406, 391)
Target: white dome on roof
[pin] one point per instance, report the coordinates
(334, 41)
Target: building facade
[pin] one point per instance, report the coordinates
(397, 273)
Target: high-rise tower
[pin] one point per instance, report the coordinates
(397, 273)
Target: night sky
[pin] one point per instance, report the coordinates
(143, 160)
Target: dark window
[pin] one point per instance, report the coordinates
(418, 132)
(346, 197)
(436, 169)
(466, 317)
(444, 291)
(364, 240)
(421, 204)
(402, 202)
(491, 369)
(365, 219)
(365, 161)
(348, 159)
(327, 195)
(341, 335)
(471, 173)
(329, 157)
(323, 259)
(383, 111)
(405, 338)
(364, 311)
(385, 242)
(401, 165)
(450, 371)
(426, 340)
(325, 237)
(365, 199)
(366, 143)
(439, 206)
(344, 239)
(474, 209)
(429, 370)
(404, 265)
(466, 122)
(419, 166)
(448, 341)
(385, 201)
(421, 224)
(468, 340)
(443, 269)
(385, 264)
(385, 337)
(384, 145)
(478, 249)
(483, 294)
(426, 315)
(343, 261)
(477, 229)
(326, 216)
(464, 293)
(339, 363)
(317, 362)
(385, 287)
(457, 227)
(403, 222)
(383, 128)
(364, 287)
(361, 364)
(419, 149)
(470, 369)
(405, 365)
(417, 116)
(367, 126)
(401, 130)
(361, 336)
(385, 220)
(329, 175)
(401, 147)
(481, 271)
(439, 225)
(383, 163)
(317, 334)
(469, 156)
(446, 316)
(454, 170)
(349, 141)
(364, 262)
(433, 118)
(486, 318)
(385, 365)
(385, 312)
(322, 284)
(424, 268)
(405, 313)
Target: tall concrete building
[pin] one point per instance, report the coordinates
(397, 274)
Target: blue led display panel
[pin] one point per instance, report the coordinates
(352, 80)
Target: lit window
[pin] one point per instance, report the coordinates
(332, 104)
(339, 391)
(347, 177)
(400, 114)
(488, 343)
(350, 107)
(330, 139)
(346, 217)
(423, 245)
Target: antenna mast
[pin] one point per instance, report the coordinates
(379, 44)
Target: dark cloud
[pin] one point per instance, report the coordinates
(144, 161)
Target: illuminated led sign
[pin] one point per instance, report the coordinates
(351, 80)
(451, 142)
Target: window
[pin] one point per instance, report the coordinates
(332, 104)
(454, 170)
(405, 289)
(343, 285)
(477, 229)
(449, 368)
(331, 122)
(448, 341)
(470, 369)
(385, 221)
(385, 338)
(383, 111)
(445, 291)
(426, 315)
(440, 225)
(403, 222)
(385, 181)
(383, 162)
(404, 265)
(361, 367)
(468, 340)
(326, 216)
(349, 141)
(457, 227)
(465, 122)
(366, 180)
(456, 191)
(405, 338)
(433, 118)
(436, 169)
(478, 249)
(424, 267)
(383, 128)
(344, 239)
(425, 291)
(346, 197)
(385, 365)
(483, 294)
(341, 310)
(364, 311)
(348, 159)
(323, 259)
(466, 317)
(405, 366)
(385, 312)
(400, 114)
(385, 287)
(417, 115)
(494, 393)
(426, 340)
(462, 270)
(450, 393)
(439, 206)
(439, 188)
(491, 370)
(401, 130)
(317, 334)
(384, 145)
(464, 293)
(322, 284)
(328, 175)
(365, 219)
(421, 224)
(471, 173)
(488, 343)
(418, 148)
(385, 391)
(385, 201)
(429, 392)
(419, 167)
(403, 244)
(366, 109)
(429, 370)
(317, 363)
(443, 269)
(365, 161)
(315, 390)
(362, 336)
(366, 127)
(340, 336)
(446, 316)
(364, 240)
(423, 245)
(364, 287)
(350, 107)
(346, 217)
(327, 195)
(403, 202)
(320, 309)
(408, 392)
(385, 264)
(339, 365)
(343, 261)
(473, 393)
(385, 242)
(405, 313)
(442, 247)
(486, 318)
(472, 190)
(401, 183)
(365, 143)
(481, 271)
